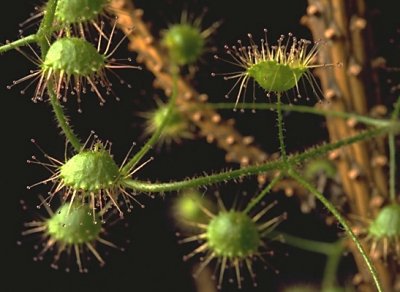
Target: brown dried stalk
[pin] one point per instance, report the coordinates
(343, 24)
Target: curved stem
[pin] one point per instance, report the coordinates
(342, 222)
(18, 43)
(261, 195)
(43, 35)
(282, 145)
(46, 27)
(62, 119)
(333, 252)
(329, 279)
(156, 135)
(200, 181)
(251, 170)
(325, 248)
(303, 109)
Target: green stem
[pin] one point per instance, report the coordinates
(304, 109)
(305, 244)
(18, 43)
(46, 27)
(282, 145)
(62, 119)
(251, 170)
(202, 180)
(156, 135)
(329, 279)
(43, 36)
(261, 195)
(333, 252)
(343, 222)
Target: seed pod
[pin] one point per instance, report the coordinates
(275, 69)
(384, 232)
(93, 174)
(186, 41)
(72, 64)
(233, 237)
(73, 224)
(90, 170)
(72, 227)
(233, 234)
(187, 208)
(90, 176)
(73, 57)
(78, 11)
(176, 127)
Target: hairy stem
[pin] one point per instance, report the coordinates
(304, 109)
(62, 119)
(46, 27)
(43, 36)
(18, 43)
(282, 145)
(261, 195)
(342, 222)
(156, 135)
(251, 170)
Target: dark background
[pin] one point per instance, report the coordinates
(152, 259)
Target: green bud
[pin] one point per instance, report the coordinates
(90, 170)
(184, 42)
(233, 234)
(78, 11)
(73, 224)
(387, 223)
(73, 56)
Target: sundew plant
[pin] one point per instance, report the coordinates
(178, 146)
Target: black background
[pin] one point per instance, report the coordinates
(152, 259)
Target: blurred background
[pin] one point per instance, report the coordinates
(152, 260)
